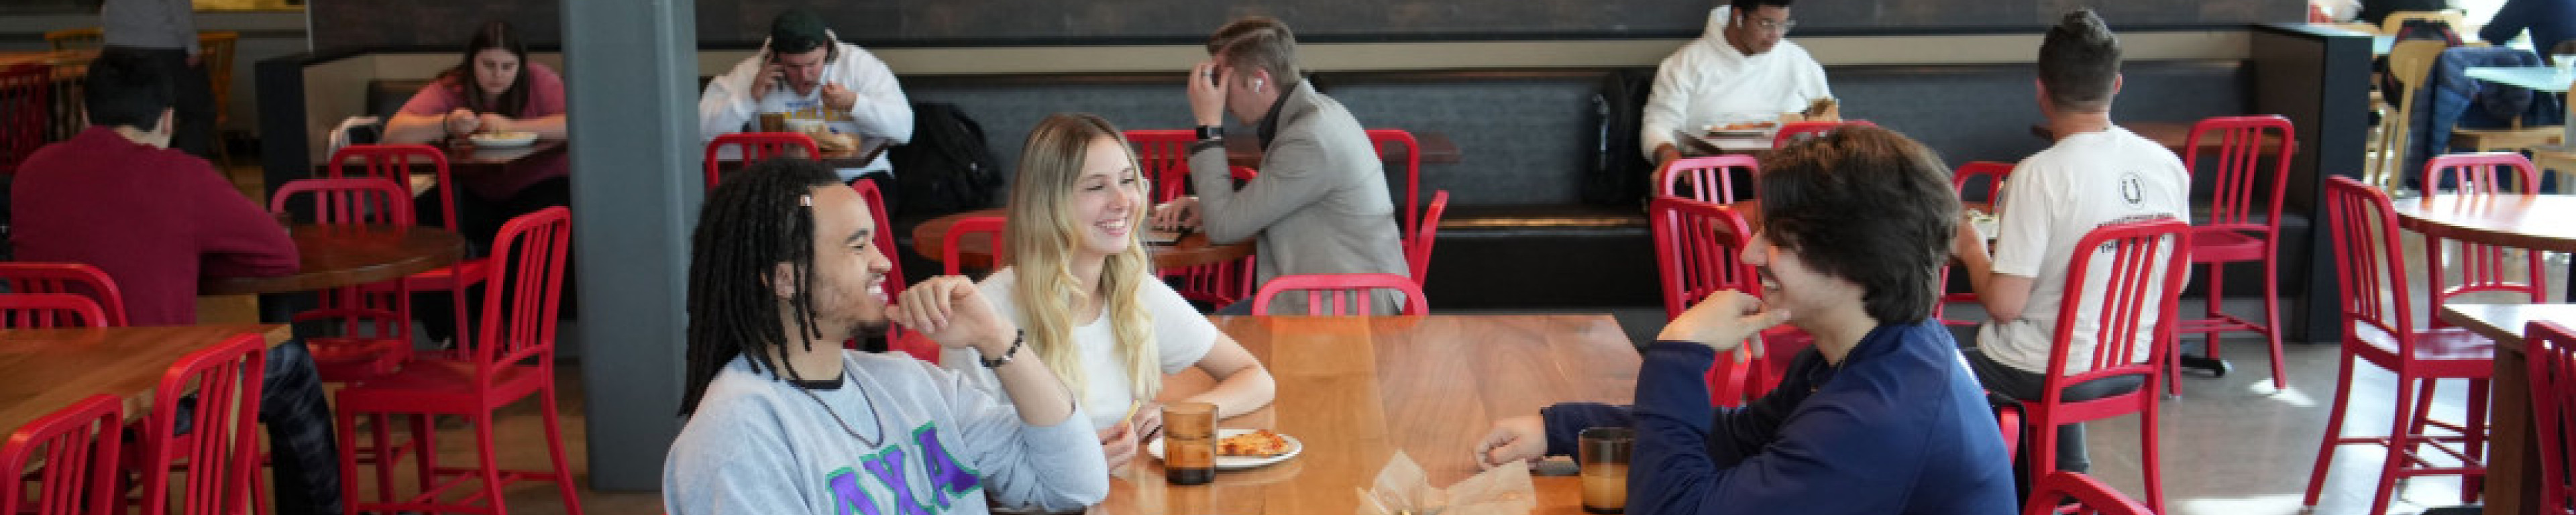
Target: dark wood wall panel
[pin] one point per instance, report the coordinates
(351, 24)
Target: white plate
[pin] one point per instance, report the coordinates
(1224, 462)
(504, 140)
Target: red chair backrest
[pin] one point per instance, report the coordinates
(519, 304)
(990, 227)
(351, 200)
(754, 146)
(1993, 172)
(2484, 267)
(2553, 403)
(2135, 306)
(73, 278)
(1164, 155)
(1705, 179)
(218, 454)
(49, 310)
(2091, 497)
(2364, 224)
(394, 163)
(875, 197)
(1792, 131)
(2241, 150)
(1697, 246)
(380, 309)
(73, 452)
(1417, 247)
(1341, 294)
(26, 110)
(1381, 139)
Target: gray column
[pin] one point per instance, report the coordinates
(631, 68)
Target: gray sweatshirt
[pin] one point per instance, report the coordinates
(756, 445)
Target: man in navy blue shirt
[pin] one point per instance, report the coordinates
(1879, 417)
(2550, 22)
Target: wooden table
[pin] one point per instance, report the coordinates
(2173, 135)
(42, 370)
(1436, 150)
(2513, 477)
(333, 256)
(1192, 250)
(1357, 389)
(1693, 144)
(2534, 222)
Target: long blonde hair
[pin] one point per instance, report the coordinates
(1040, 242)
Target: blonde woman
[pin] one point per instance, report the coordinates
(1083, 289)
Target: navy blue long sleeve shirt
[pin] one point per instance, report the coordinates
(1899, 427)
(2550, 22)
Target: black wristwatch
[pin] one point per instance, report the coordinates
(997, 362)
(1209, 132)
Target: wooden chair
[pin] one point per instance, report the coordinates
(1342, 294)
(2559, 158)
(2382, 332)
(746, 147)
(73, 453)
(1705, 179)
(73, 278)
(209, 466)
(84, 38)
(2454, 18)
(2409, 62)
(26, 112)
(218, 51)
(2136, 315)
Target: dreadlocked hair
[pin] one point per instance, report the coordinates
(758, 218)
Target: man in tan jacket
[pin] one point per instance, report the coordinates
(1320, 205)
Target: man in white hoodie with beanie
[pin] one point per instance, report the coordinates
(1741, 68)
(804, 71)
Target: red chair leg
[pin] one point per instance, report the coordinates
(2334, 430)
(2399, 446)
(490, 460)
(424, 445)
(2151, 462)
(2217, 307)
(2272, 320)
(555, 450)
(348, 423)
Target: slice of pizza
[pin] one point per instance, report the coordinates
(1260, 443)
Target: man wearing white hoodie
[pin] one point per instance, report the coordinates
(1740, 68)
(807, 73)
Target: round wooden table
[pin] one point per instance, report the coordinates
(1192, 250)
(2532, 222)
(333, 256)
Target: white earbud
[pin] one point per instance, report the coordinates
(1256, 84)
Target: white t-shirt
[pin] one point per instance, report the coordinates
(2083, 182)
(1181, 336)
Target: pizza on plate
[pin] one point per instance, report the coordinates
(1262, 443)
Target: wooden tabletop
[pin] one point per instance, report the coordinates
(1192, 250)
(1356, 389)
(333, 256)
(2505, 323)
(1694, 144)
(2533, 222)
(1436, 150)
(42, 370)
(47, 57)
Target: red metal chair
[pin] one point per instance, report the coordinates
(73, 278)
(1994, 174)
(374, 321)
(897, 339)
(1792, 131)
(26, 109)
(1381, 140)
(219, 454)
(1342, 294)
(2136, 306)
(1697, 247)
(1705, 179)
(2091, 497)
(74, 455)
(514, 360)
(746, 147)
(2553, 402)
(2232, 233)
(395, 163)
(49, 310)
(1163, 155)
(2010, 420)
(989, 227)
(2382, 332)
(1417, 243)
(2483, 268)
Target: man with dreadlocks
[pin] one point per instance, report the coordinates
(782, 420)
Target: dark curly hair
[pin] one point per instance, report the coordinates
(1867, 205)
(753, 221)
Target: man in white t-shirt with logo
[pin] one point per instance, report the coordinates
(2096, 174)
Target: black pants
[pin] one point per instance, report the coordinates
(479, 220)
(2026, 387)
(192, 124)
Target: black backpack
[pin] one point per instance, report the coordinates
(946, 169)
(1618, 173)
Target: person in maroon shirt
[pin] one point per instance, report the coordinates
(157, 220)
